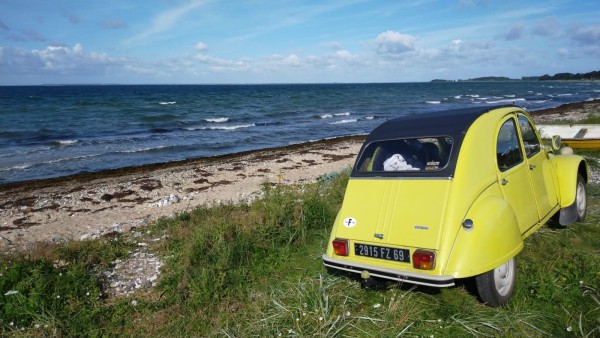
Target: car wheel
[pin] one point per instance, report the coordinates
(496, 286)
(581, 199)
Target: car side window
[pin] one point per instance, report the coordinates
(508, 148)
(530, 139)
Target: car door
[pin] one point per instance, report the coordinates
(513, 175)
(540, 169)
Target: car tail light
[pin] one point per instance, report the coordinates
(340, 247)
(423, 260)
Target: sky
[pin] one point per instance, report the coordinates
(303, 41)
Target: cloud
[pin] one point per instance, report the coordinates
(514, 33)
(332, 45)
(220, 64)
(72, 18)
(4, 26)
(201, 46)
(114, 24)
(391, 42)
(165, 20)
(60, 63)
(586, 36)
(33, 35)
(548, 26)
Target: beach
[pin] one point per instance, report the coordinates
(92, 205)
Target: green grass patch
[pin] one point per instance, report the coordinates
(256, 270)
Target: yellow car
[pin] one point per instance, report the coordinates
(453, 194)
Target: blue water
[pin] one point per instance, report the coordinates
(50, 131)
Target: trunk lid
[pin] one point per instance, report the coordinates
(405, 213)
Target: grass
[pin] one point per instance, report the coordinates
(255, 270)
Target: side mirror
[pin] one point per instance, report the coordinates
(556, 140)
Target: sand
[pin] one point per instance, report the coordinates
(89, 206)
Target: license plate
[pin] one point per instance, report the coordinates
(382, 252)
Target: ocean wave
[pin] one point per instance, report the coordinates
(369, 117)
(326, 116)
(17, 167)
(344, 121)
(241, 126)
(342, 114)
(140, 150)
(66, 142)
(167, 102)
(505, 101)
(433, 102)
(217, 120)
(510, 95)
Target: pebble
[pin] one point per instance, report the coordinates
(171, 199)
(140, 271)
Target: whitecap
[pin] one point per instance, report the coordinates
(566, 94)
(139, 150)
(167, 102)
(67, 142)
(17, 167)
(344, 121)
(369, 117)
(509, 95)
(505, 101)
(326, 116)
(458, 96)
(342, 114)
(222, 127)
(217, 119)
(433, 102)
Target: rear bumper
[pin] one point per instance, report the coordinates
(391, 274)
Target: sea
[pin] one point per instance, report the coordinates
(53, 131)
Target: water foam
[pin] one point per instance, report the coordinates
(167, 102)
(217, 120)
(241, 126)
(344, 121)
(66, 142)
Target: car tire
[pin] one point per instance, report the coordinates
(496, 286)
(581, 198)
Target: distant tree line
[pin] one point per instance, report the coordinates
(595, 75)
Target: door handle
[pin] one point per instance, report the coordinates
(531, 166)
(504, 181)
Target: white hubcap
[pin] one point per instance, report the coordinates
(503, 277)
(581, 202)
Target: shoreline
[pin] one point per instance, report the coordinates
(541, 115)
(91, 205)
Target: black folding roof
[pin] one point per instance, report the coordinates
(442, 123)
(453, 123)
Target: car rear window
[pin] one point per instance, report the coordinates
(425, 154)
